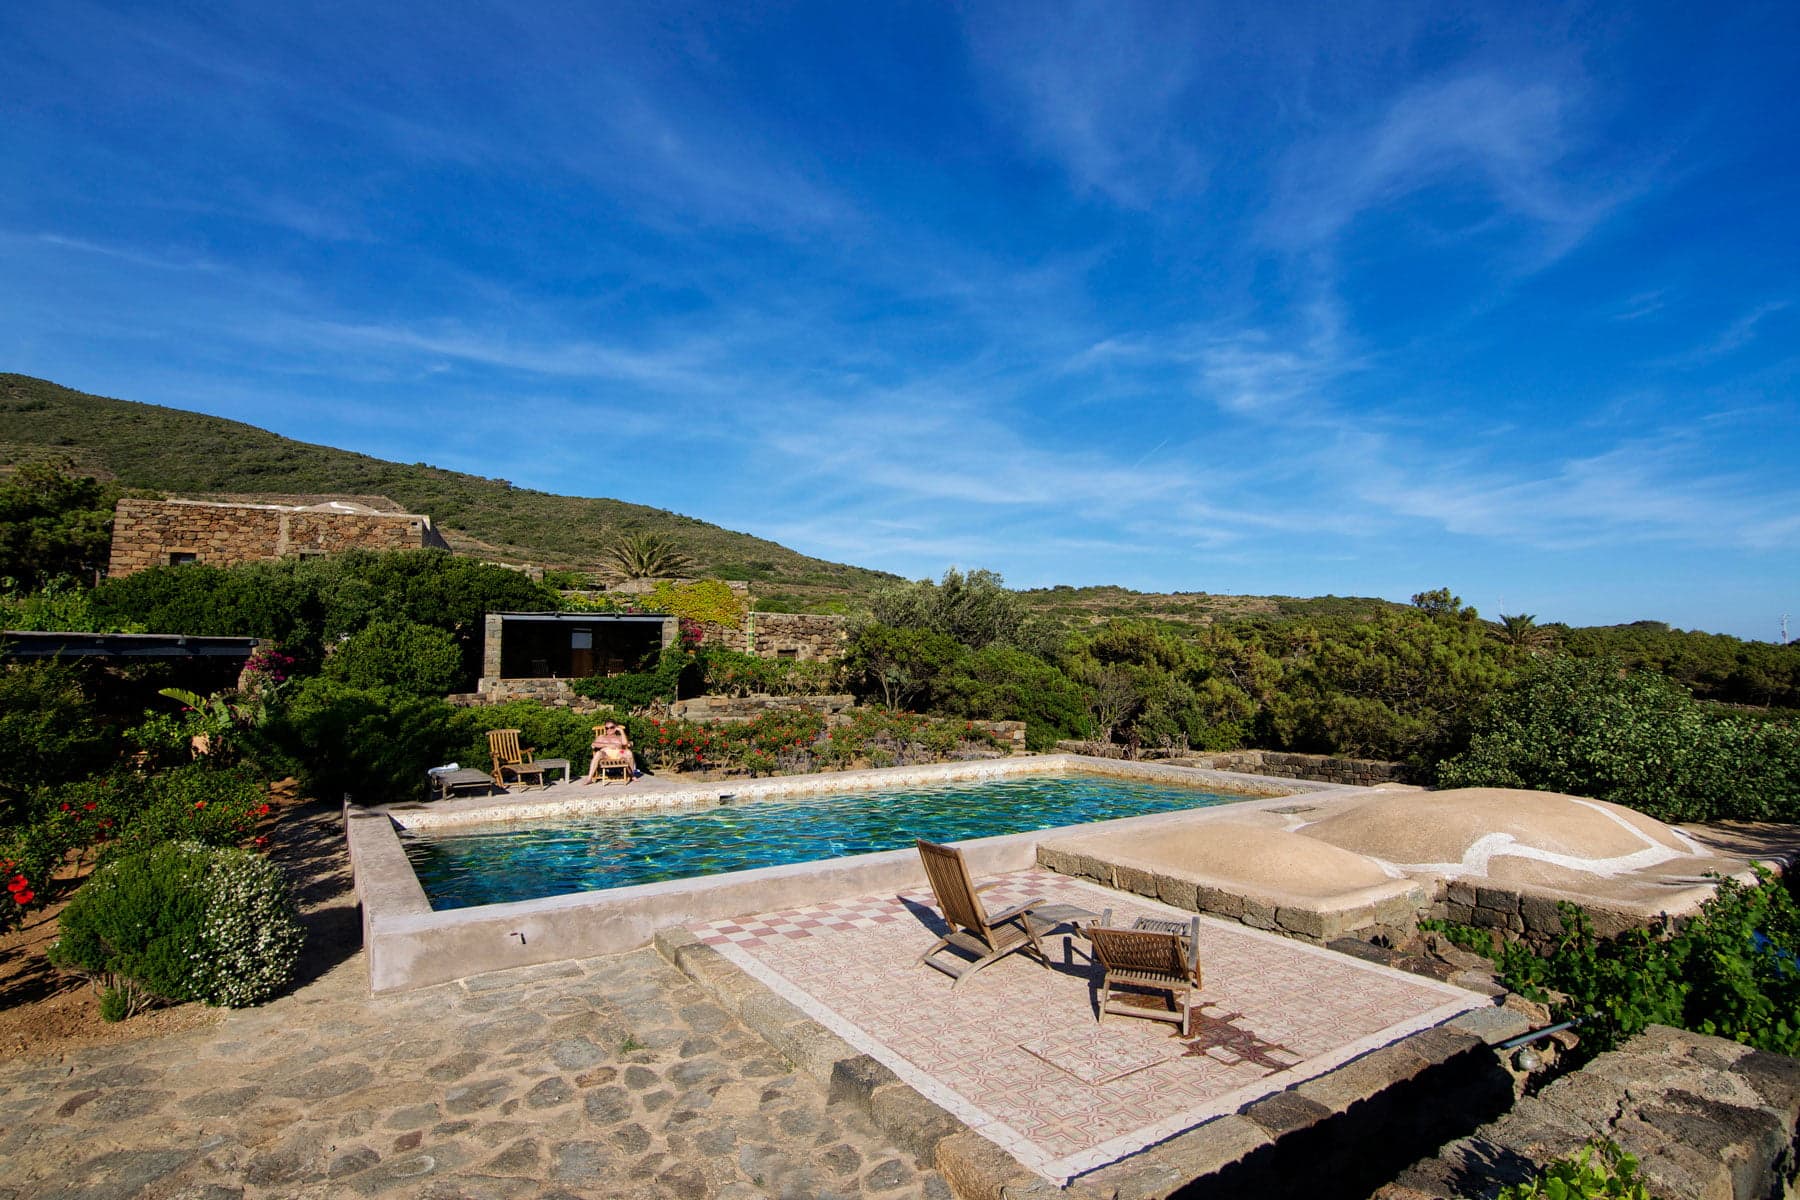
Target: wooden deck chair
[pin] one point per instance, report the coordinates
(510, 759)
(972, 930)
(1161, 958)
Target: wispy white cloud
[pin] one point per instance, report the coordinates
(1096, 88)
(1511, 136)
(133, 256)
(1734, 337)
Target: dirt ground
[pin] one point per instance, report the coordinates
(44, 1010)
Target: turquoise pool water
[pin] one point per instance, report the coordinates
(595, 853)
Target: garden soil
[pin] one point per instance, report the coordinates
(43, 1010)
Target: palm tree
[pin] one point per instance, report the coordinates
(647, 556)
(1522, 632)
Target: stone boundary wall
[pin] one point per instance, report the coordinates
(1320, 768)
(146, 532)
(748, 708)
(806, 636)
(1705, 1117)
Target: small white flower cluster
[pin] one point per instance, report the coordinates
(250, 939)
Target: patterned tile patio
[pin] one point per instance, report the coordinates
(1017, 1053)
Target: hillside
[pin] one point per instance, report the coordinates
(1091, 605)
(176, 452)
(191, 454)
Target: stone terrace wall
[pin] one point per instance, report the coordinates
(147, 532)
(748, 708)
(1704, 1117)
(784, 635)
(1322, 768)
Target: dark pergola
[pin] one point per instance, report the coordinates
(128, 647)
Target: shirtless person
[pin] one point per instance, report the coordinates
(611, 745)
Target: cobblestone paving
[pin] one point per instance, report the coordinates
(608, 1077)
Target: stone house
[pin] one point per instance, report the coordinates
(156, 533)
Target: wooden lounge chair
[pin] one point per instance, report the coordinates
(972, 930)
(511, 759)
(1157, 956)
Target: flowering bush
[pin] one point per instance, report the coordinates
(184, 921)
(112, 815)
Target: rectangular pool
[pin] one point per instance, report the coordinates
(500, 864)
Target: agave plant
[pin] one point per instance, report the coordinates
(647, 556)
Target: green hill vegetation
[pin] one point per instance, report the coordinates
(168, 450)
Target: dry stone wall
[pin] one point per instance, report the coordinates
(748, 708)
(1705, 1117)
(1320, 768)
(155, 533)
(784, 635)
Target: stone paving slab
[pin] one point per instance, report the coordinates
(607, 1077)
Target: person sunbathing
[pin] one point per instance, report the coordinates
(611, 745)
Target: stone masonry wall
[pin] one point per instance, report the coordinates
(748, 708)
(784, 635)
(147, 532)
(1322, 768)
(1704, 1117)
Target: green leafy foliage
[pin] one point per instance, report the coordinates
(1730, 971)
(1590, 727)
(53, 523)
(1402, 687)
(303, 603)
(59, 605)
(899, 664)
(677, 672)
(1712, 666)
(49, 732)
(1600, 1170)
(184, 921)
(1003, 683)
(405, 656)
(372, 743)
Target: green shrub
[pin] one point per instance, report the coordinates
(551, 731)
(1590, 728)
(1598, 1171)
(49, 733)
(1730, 971)
(677, 672)
(182, 921)
(402, 656)
(369, 742)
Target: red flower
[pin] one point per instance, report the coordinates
(63, 807)
(261, 842)
(90, 806)
(262, 810)
(25, 897)
(199, 804)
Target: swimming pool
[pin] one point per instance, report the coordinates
(494, 866)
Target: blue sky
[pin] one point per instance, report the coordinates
(1352, 299)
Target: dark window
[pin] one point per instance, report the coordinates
(179, 558)
(789, 653)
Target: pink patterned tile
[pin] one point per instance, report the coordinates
(1016, 1052)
